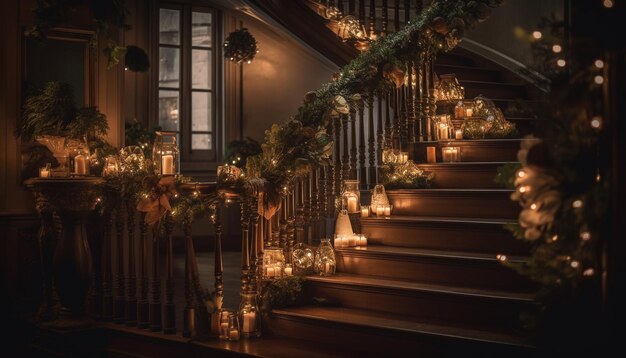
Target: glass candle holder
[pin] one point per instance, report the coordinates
(233, 327)
(379, 197)
(79, 158)
(365, 211)
(351, 196)
(249, 316)
(288, 270)
(273, 263)
(44, 172)
(302, 258)
(361, 240)
(448, 89)
(165, 154)
(325, 262)
(131, 159)
(450, 154)
(111, 166)
(222, 318)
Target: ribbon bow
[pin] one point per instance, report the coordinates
(158, 201)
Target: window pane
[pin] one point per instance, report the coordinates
(201, 69)
(201, 141)
(201, 112)
(168, 110)
(169, 67)
(201, 29)
(169, 26)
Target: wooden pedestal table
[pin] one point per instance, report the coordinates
(72, 199)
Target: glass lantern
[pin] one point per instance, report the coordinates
(79, 157)
(273, 263)
(302, 259)
(111, 166)
(60, 152)
(249, 316)
(234, 333)
(131, 158)
(165, 154)
(448, 89)
(221, 325)
(379, 198)
(325, 262)
(351, 196)
(228, 173)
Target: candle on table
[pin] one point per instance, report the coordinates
(167, 164)
(403, 157)
(44, 173)
(431, 155)
(248, 322)
(223, 329)
(387, 210)
(365, 211)
(458, 134)
(353, 204)
(80, 165)
(459, 111)
(233, 335)
(469, 112)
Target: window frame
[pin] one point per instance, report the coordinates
(198, 159)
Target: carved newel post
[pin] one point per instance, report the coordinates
(72, 199)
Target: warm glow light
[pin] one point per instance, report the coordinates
(196, 193)
(501, 257)
(589, 272)
(533, 206)
(598, 80)
(585, 235)
(523, 189)
(521, 174)
(577, 204)
(561, 62)
(596, 122)
(575, 264)
(555, 237)
(537, 34)
(608, 3)
(598, 63)
(557, 48)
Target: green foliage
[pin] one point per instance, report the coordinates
(136, 59)
(137, 134)
(404, 176)
(240, 46)
(238, 151)
(51, 110)
(506, 175)
(281, 292)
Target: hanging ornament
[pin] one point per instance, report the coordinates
(240, 46)
(440, 25)
(393, 74)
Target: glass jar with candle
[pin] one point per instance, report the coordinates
(165, 153)
(222, 323)
(325, 262)
(302, 258)
(132, 159)
(379, 197)
(273, 263)
(57, 145)
(448, 89)
(111, 166)
(450, 154)
(351, 196)
(44, 172)
(79, 157)
(233, 327)
(249, 316)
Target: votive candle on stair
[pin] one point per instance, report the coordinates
(387, 210)
(365, 211)
(431, 155)
(458, 134)
(380, 210)
(450, 154)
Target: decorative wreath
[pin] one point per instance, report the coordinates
(240, 46)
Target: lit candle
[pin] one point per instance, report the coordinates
(233, 335)
(458, 134)
(362, 240)
(223, 329)
(270, 272)
(352, 240)
(469, 112)
(431, 155)
(403, 157)
(44, 173)
(450, 154)
(443, 131)
(80, 165)
(288, 271)
(365, 211)
(353, 204)
(167, 164)
(380, 210)
(459, 111)
(387, 210)
(249, 319)
(327, 267)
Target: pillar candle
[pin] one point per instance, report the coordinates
(233, 334)
(167, 164)
(352, 240)
(469, 112)
(80, 165)
(249, 319)
(365, 211)
(380, 210)
(327, 267)
(459, 111)
(458, 134)
(223, 329)
(44, 173)
(431, 155)
(450, 154)
(387, 210)
(362, 240)
(288, 271)
(443, 132)
(353, 204)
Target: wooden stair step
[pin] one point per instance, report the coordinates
(464, 175)
(470, 73)
(492, 309)
(433, 266)
(438, 233)
(493, 89)
(472, 150)
(451, 58)
(379, 333)
(467, 203)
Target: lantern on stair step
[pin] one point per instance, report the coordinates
(273, 263)
(165, 153)
(249, 316)
(448, 89)
(302, 258)
(351, 196)
(379, 198)
(325, 262)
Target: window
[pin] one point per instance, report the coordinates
(187, 79)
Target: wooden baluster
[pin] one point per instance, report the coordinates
(299, 224)
(219, 268)
(169, 308)
(189, 315)
(411, 106)
(154, 311)
(388, 122)
(379, 131)
(254, 250)
(371, 140)
(420, 98)
(142, 304)
(283, 219)
(351, 7)
(430, 107)
(362, 154)
(118, 308)
(106, 266)
(402, 123)
(312, 193)
(407, 11)
(372, 19)
(397, 119)
(337, 174)
(396, 15)
(340, 6)
(345, 169)
(385, 11)
(306, 200)
(245, 253)
(291, 197)
(362, 11)
(419, 7)
(353, 143)
(131, 280)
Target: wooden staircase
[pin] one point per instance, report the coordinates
(430, 281)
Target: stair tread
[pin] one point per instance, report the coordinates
(438, 219)
(397, 323)
(418, 252)
(367, 281)
(450, 190)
